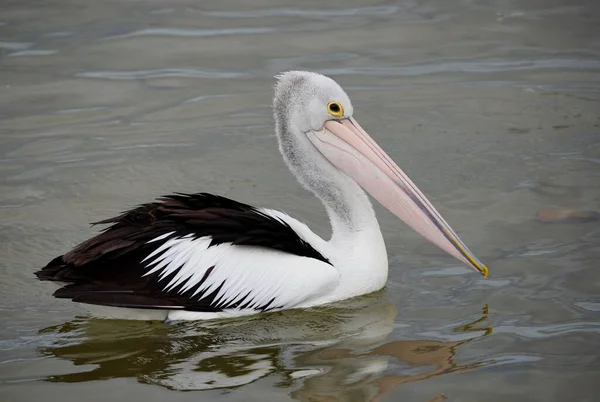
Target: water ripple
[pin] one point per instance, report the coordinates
(158, 73)
(81, 110)
(549, 331)
(472, 66)
(448, 271)
(15, 45)
(590, 306)
(206, 97)
(194, 33)
(160, 145)
(28, 53)
(514, 359)
(59, 34)
(315, 13)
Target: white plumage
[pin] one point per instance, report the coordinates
(260, 276)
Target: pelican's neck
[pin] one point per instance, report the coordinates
(356, 247)
(348, 207)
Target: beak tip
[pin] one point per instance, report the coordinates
(485, 271)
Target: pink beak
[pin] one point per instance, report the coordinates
(349, 148)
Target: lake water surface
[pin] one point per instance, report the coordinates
(492, 107)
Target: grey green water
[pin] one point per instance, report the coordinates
(492, 107)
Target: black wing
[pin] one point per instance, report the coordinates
(107, 269)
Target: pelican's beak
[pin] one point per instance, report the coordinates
(348, 147)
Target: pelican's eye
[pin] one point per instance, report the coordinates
(335, 109)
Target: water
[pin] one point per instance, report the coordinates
(492, 107)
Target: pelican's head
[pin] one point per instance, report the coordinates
(310, 100)
(316, 113)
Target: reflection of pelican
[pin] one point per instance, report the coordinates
(332, 350)
(349, 372)
(203, 256)
(215, 354)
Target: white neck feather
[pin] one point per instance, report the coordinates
(352, 212)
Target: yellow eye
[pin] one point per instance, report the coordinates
(335, 109)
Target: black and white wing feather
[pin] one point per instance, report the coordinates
(197, 252)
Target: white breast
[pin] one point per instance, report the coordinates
(360, 257)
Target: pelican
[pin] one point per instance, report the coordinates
(203, 256)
